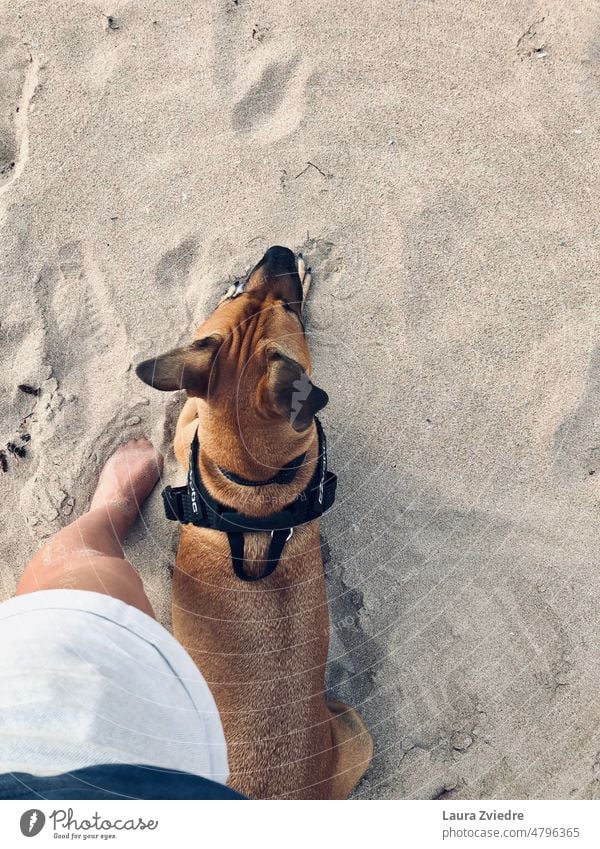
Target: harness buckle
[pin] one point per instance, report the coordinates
(173, 503)
(288, 537)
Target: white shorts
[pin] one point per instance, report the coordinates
(86, 679)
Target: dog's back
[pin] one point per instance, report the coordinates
(262, 648)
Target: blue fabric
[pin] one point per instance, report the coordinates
(113, 781)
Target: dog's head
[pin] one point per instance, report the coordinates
(249, 360)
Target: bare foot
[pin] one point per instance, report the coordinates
(128, 478)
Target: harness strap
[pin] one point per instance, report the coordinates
(285, 475)
(236, 545)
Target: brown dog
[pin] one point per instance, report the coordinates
(262, 646)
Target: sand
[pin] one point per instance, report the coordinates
(450, 213)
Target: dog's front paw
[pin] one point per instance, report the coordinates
(305, 276)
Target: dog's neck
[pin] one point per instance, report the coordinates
(263, 499)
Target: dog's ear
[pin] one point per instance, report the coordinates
(290, 391)
(189, 367)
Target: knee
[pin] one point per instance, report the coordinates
(98, 573)
(81, 569)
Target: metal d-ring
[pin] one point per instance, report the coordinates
(288, 537)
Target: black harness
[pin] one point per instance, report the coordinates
(193, 504)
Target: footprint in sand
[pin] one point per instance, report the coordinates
(273, 104)
(261, 76)
(577, 438)
(18, 81)
(174, 267)
(80, 304)
(79, 411)
(174, 272)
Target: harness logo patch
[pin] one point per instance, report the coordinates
(32, 822)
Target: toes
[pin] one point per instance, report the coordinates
(307, 280)
(140, 447)
(305, 276)
(228, 294)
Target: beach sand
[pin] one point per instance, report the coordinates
(437, 163)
